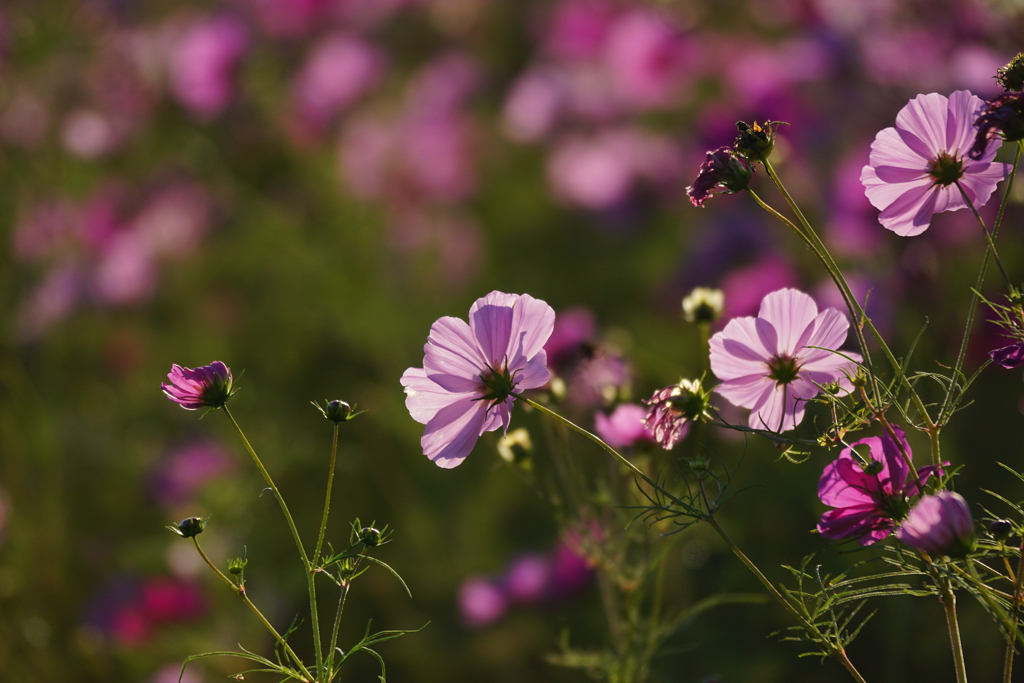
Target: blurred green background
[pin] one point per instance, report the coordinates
(299, 188)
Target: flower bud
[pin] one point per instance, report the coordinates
(940, 524)
(756, 142)
(370, 536)
(1000, 529)
(188, 528)
(1011, 76)
(237, 565)
(703, 305)
(337, 411)
(516, 447)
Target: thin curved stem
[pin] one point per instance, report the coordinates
(1012, 640)
(245, 598)
(310, 583)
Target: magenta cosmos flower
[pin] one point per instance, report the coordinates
(770, 364)
(868, 491)
(208, 386)
(624, 427)
(940, 525)
(913, 168)
(471, 372)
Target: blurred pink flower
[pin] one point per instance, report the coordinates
(601, 377)
(481, 602)
(574, 327)
(50, 302)
(290, 18)
(914, 168)
(767, 364)
(24, 120)
(646, 57)
(126, 272)
(624, 427)
(164, 600)
(203, 64)
(187, 469)
(868, 491)
(744, 288)
(533, 104)
(600, 171)
(853, 224)
(88, 134)
(578, 29)
(760, 71)
(470, 372)
(528, 579)
(173, 221)
(338, 70)
(939, 524)
(171, 673)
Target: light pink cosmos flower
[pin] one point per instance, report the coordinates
(914, 168)
(770, 364)
(471, 371)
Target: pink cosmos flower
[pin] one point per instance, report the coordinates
(203, 62)
(624, 427)
(471, 372)
(208, 386)
(770, 363)
(940, 525)
(914, 168)
(869, 492)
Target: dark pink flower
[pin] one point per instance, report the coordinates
(940, 525)
(914, 168)
(208, 386)
(624, 427)
(775, 363)
(528, 579)
(868, 491)
(722, 171)
(471, 371)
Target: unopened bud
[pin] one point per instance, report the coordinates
(189, 528)
(337, 411)
(703, 305)
(756, 142)
(1001, 529)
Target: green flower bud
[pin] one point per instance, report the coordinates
(703, 305)
(189, 528)
(756, 142)
(337, 411)
(1011, 76)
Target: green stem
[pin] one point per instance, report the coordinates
(596, 439)
(310, 584)
(839, 653)
(245, 598)
(947, 404)
(948, 599)
(327, 500)
(1011, 641)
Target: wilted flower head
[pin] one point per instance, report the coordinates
(914, 168)
(775, 363)
(723, 171)
(670, 411)
(471, 371)
(756, 142)
(869, 492)
(703, 305)
(208, 386)
(624, 427)
(1003, 118)
(1011, 76)
(940, 525)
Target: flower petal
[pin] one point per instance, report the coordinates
(425, 397)
(533, 321)
(453, 432)
(924, 118)
(790, 312)
(490, 318)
